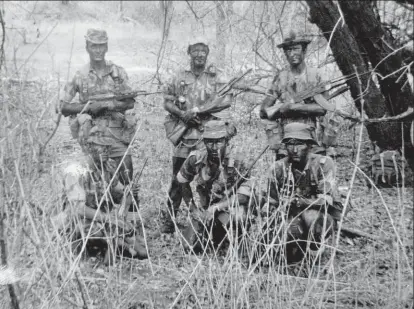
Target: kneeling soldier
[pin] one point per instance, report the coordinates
(88, 214)
(217, 177)
(301, 193)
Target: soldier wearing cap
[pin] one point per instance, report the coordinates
(214, 174)
(303, 186)
(186, 95)
(298, 78)
(90, 193)
(107, 118)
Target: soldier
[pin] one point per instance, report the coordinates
(215, 175)
(89, 198)
(185, 99)
(302, 185)
(298, 78)
(100, 76)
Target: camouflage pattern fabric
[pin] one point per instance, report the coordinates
(196, 92)
(211, 181)
(283, 87)
(317, 180)
(86, 83)
(96, 36)
(84, 186)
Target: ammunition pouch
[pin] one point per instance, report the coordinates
(274, 133)
(128, 129)
(174, 129)
(80, 127)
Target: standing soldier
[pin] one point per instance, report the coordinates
(105, 118)
(186, 97)
(289, 82)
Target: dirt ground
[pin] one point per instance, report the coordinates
(368, 274)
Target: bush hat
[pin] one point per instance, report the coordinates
(293, 39)
(96, 36)
(215, 129)
(298, 131)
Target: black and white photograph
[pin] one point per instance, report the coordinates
(207, 154)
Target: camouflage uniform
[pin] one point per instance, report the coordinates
(211, 182)
(284, 87)
(188, 91)
(87, 83)
(84, 185)
(214, 183)
(195, 91)
(287, 186)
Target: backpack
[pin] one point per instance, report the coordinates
(386, 168)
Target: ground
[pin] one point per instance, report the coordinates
(364, 273)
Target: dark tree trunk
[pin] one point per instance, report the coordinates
(353, 45)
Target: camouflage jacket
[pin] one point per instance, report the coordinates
(317, 180)
(286, 84)
(87, 82)
(212, 181)
(196, 92)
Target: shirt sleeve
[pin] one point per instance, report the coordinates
(70, 89)
(188, 170)
(124, 79)
(169, 88)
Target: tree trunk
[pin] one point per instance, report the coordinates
(353, 45)
(221, 34)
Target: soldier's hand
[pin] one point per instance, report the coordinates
(189, 115)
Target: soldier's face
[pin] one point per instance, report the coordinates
(216, 148)
(297, 150)
(295, 54)
(96, 51)
(198, 54)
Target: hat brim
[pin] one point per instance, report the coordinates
(96, 42)
(214, 135)
(295, 42)
(308, 140)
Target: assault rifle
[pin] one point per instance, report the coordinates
(175, 128)
(120, 96)
(319, 94)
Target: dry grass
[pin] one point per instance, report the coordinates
(363, 274)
